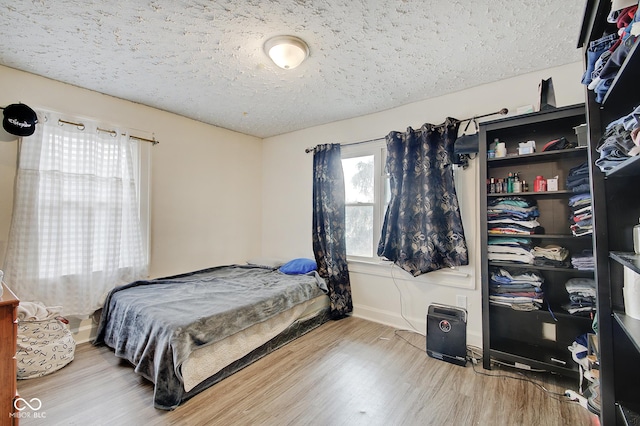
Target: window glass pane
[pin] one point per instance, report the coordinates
(387, 190)
(359, 226)
(358, 179)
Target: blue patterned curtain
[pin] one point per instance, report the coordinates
(422, 230)
(329, 244)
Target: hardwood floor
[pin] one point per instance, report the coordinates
(349, 372)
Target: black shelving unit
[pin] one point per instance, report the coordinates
(616, 208)
(538, 339)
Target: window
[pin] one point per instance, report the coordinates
(89, 219)
(366, 197)
(80, 215)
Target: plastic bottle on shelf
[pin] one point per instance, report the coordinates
(525, 186)
(540, 184)
(517, 185)
(509, 183)
(636, 238)
(500, 148)
(492, 186)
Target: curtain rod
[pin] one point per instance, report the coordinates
(81, 126)
(503, 111)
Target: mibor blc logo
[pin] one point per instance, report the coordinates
(28, 409)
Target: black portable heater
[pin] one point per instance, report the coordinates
(447, 334)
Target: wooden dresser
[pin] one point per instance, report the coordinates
(8, 335)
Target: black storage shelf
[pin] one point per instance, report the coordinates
(615, 211)
(559, 193)
(542, 236)
(530, 357)
(626, 79)
(630, 326)
(560, 314)
(630, 260)
(537, 157)
(627, 168)
(557, 313)
(529, 347)
(512, 265)
(537, 339)
(628, 414)
(534, 119)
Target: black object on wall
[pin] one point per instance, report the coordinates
(19, 120)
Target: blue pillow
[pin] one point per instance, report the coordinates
(299, 266)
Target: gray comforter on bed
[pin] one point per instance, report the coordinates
(156, 324)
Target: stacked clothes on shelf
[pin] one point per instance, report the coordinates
(521, 291)
(582, 296)
(620, 141)
(511, 249)
(513, 215)
(581, 214)
(580, 204)
(578, 179)
(551, 255)
(606, 55)
(583, 261)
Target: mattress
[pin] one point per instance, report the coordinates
(203, 322)
(209, 360)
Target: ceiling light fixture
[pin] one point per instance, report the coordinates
(286, 51)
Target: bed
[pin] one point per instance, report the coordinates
(187, 332)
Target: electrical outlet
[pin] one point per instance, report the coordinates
(461, 301)
(549, 331)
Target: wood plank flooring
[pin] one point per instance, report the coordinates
(349, 372)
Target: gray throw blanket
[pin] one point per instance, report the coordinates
(156, 324)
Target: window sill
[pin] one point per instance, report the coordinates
(460, 277)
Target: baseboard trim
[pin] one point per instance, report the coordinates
(83, 331)
(392, 319)
(389, 318)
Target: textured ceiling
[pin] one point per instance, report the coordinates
(203, 59)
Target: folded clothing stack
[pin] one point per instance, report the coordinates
(621, 140)
(578, 178)
(513, 215)
(551, 255)
(606, 55)
(521, 291)
(581, 214)
(512, 249)
(582, 296)
(583, 261)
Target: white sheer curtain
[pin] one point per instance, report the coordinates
(75, 231)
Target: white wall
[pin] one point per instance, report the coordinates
(206, 193)
(381, 293)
